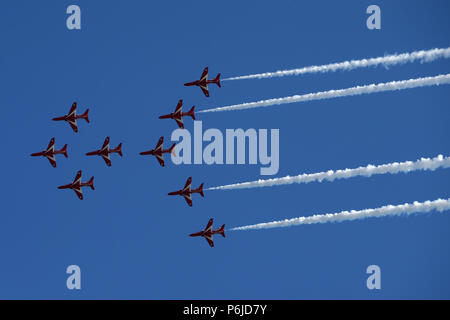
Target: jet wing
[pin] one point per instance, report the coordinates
(204, 75)
(188, 199)
(205, 90)
(209, 225)
(106, 143)
(51, 145)
(79, 193)
(107, 159)
(73, 109)
(180, 122)
(188, 183)
(160, 160)
(160, 143)
(73, 124)
(210, 241)
(78, 177)
(51, 159)
(179, 107)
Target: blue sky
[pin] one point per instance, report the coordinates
(128, 64)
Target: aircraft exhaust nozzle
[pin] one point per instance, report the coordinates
(85, 115)
(64, 151)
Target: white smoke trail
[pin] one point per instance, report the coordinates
(389, 210)
(353, 91)
(330, 175)
(390, 60)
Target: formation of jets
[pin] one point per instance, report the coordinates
(104, 152)
(158, 152)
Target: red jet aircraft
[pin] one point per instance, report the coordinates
(159, 151)
(50, 152)
(105, 151)
(209, 232)
(76, 185)
(178, 115)
(187, 191)
(72, 117)
(203, 82)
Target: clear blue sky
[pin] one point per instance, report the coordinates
(128, 64)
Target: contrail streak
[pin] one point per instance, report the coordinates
(422, 56)
(389, 210)
(353, 91)
(330, 175)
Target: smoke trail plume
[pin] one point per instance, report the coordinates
(353, 91)
(389, 210)
(391, 60)
(330, 175)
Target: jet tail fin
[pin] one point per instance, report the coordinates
(192, 113)
(222, 230)
(64, 151)
(119, 149)
(85, 115)
(217, 80)
(91, 183)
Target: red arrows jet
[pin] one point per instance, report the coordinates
(203, 82)
(209, 232)
(76, 185)
(50, 152)
(187, 191)
(72, 117)
(159, 151)
(105, 151)
(178, 115)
